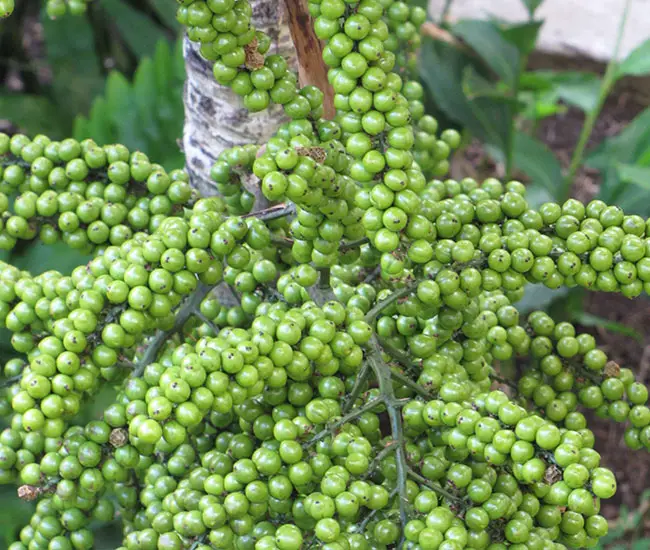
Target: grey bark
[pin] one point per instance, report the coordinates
(215, 118)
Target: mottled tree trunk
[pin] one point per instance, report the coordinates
(215, 118)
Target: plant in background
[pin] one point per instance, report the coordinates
(477, 77)
(483, 84)
(318, 371)
(61, 77)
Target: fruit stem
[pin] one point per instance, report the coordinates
(184, 313)
(362, 377)
(383, 304)
(10, 381)
(383, 374)
(272, 212)
(353, 244)
(353, 415)
(435, 488)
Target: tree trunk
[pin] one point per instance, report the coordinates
(215, 118)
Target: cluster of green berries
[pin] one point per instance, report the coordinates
(570, 371)
(82, 193)
(336, 390)
(514, 476)
(53, 8)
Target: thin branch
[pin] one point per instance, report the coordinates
(389, 448)
(362, 377)
(380, 306)
(10, 381)
(284, 242)
(372, 514)
(198, 542)
(411, 384)
(372, 275)
(353, 244)
(445, 11)
(353, 415)
(608, 81)
(441, 35)
(400, 356)
(272, 212)
(383, 373)
(197, 313)
(183, 314)
(502, 380)
(435, 488)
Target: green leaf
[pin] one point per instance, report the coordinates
(535, 81)
(625, 147)
(443, 68)
(531, 6)
(139, 31)
(637, 63)
(37, 257)
(15, 513)
(575, 88)
(76, 68)
(123, 110)
(538, 162)
(540, 106)
(536, 195)
(166, 10)
(475, 87)
(522, 35)
(630, 147)
(486, 40)
(33, 114)
(97, 126)
(144, 94)
(590, 320)
(638, 175)
(147, 114)
(539, 297)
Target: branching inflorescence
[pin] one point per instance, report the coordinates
(343, 401)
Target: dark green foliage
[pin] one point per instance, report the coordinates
(145, 115)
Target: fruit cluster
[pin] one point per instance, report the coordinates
(53, 8)
(318, 372)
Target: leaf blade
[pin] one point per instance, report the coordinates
(486, 40)
(76, 68)
(33, 114)
(535, 159)
(139, 32)
(637, 63)
(522, 35)
(637, 175)
(531, 6)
